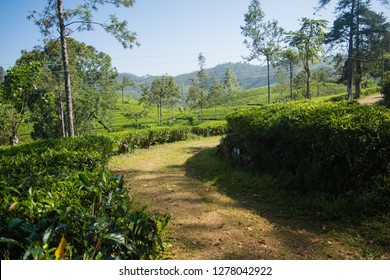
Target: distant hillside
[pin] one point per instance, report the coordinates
(248, 75)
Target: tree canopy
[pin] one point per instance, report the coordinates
(262, 38)
(19, 86)
(56, 18)
(94, 88)
(355, 23)
(308, 40)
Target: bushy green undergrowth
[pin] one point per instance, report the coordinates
(337, 149)
(59, 201)
(60, 189)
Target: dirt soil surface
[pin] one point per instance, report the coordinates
(206, 224)
(371, 99)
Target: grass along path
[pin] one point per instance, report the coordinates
(210, 223)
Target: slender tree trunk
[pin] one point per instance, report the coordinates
(61, 113)
(350, 52)
(14, 137)
(268, 81)
(65, 61)
(308, 80)
(359, 70)
(160, 113)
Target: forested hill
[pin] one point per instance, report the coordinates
(248, 75)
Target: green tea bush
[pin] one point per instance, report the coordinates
(370, 90)
(143, 139)
(59, 201)
(212, 128)
(336, 148)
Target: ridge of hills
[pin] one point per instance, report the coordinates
(249, 76)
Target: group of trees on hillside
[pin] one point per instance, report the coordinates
(34, 86)
(364, 33)
(206, 89)
(164, 91)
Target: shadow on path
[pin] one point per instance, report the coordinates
(302, 236)
(212, 218)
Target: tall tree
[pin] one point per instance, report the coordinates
(136, 115)
(55, 18)
(148, 97)
(289, 58)
(126, 82)
(214, 94)
(199, 86)
(173, 98)
(308, 40)
(20, 83)
(52, 81)
(163, 89)
(230, 84)
(374, 42)
(94, 86)
(370, 29)
(347, 28)
(262, 38)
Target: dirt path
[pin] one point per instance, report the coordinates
(206, 224)
(371, 99)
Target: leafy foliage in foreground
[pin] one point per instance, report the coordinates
(59, 201)
(337, 149)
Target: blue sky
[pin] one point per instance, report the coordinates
(171, 32)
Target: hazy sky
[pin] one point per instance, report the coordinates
(171, 32)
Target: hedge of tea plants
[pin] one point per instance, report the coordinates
(211, 128)
(339, 149)
(143, 139)
(58, 201)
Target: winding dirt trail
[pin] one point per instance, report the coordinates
(206, 224)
